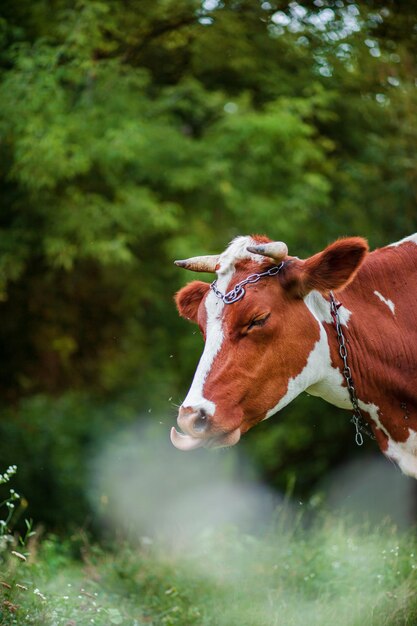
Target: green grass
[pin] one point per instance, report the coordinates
(330, 574)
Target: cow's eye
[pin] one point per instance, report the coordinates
(258, 321)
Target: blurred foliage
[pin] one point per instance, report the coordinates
(135, 133)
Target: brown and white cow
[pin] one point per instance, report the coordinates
(278, 340)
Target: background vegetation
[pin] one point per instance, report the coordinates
(133, 133)
(335, 574)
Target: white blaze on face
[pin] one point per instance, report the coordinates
(214, 327)
(214, 340)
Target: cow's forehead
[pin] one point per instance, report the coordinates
(237, 251)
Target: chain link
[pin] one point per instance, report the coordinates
(238, 290)
(357, 418)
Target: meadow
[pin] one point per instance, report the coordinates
(295, 565)
(333, 573)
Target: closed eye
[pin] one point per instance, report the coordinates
(257, 321)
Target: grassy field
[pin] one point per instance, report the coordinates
(331, 573)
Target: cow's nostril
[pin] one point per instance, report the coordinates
(200, 422)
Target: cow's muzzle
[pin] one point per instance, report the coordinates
(193, 422)
(195, 425)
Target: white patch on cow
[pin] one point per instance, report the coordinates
(214, 330)
(373, 411)
(214, 340)
(404, 453)
(386, 301)
(320, 308)
(411, 238)
(318, 378)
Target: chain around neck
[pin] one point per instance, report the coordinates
(357, 417)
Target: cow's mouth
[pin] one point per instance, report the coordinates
(188, 442)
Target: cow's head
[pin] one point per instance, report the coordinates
(257, 349)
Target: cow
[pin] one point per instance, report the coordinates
(273, 326)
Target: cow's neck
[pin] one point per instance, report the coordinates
(380, 324)
(381, 327)
(327, 381)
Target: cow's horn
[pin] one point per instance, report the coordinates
(277, 250)
(200, 263)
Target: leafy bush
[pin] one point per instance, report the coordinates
(55, 440)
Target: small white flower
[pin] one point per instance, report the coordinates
(39, 593)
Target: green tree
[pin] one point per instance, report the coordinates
(133, 134)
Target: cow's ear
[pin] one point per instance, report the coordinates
(188, 299)
(333, 268)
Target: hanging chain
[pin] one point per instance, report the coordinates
(357, 418)
(238, 290)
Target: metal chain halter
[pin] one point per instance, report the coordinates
(238, 290)
(357, 417)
